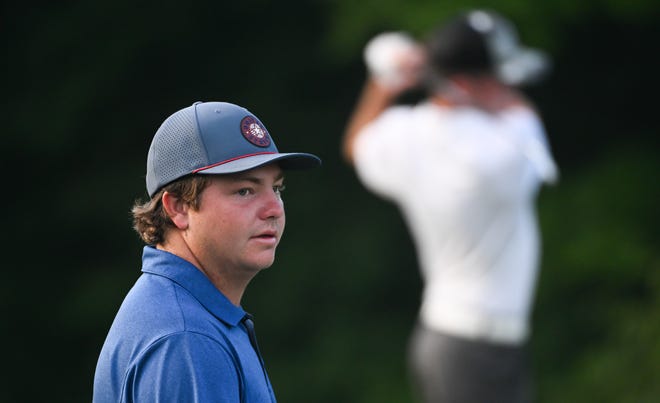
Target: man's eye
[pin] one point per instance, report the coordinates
(244, 192)
(279, 189)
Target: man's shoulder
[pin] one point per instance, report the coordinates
(157, 306)
(159, 317)
(178, 365)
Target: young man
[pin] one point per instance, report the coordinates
(214, 220)
(464, 167)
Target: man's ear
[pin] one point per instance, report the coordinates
(176, 209)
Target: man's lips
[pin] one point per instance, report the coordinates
(269, 235)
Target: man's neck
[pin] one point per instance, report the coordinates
(484, 93)
(229, 285)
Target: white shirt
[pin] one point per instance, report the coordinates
(465, 181)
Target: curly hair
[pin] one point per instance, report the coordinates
(150, 219)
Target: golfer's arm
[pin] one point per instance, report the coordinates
(373, 100)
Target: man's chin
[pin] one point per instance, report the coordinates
(263, 264)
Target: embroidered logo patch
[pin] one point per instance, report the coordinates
(255, 132)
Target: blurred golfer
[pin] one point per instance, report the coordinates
(464, 167)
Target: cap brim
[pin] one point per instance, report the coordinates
(285, 160)
(526, 66)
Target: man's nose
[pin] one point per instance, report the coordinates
(273, 206)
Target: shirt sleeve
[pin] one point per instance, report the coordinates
(381, 153)
(533, 142)
(184, 367)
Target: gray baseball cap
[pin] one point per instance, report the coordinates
(483, 40)
(214, 138)
(514, 63)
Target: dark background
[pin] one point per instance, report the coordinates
(86, 84)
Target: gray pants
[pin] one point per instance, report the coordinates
(449, 369)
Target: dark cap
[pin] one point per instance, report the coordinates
(214, 138)
(481, 41)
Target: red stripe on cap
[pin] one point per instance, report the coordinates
(230, 160)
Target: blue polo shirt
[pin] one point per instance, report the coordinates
(176, 338)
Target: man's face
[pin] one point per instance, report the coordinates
(239, 222)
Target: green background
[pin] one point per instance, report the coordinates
(86, 84)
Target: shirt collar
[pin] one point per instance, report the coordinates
(185, 274)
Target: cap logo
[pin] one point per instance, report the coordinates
(255, 132)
